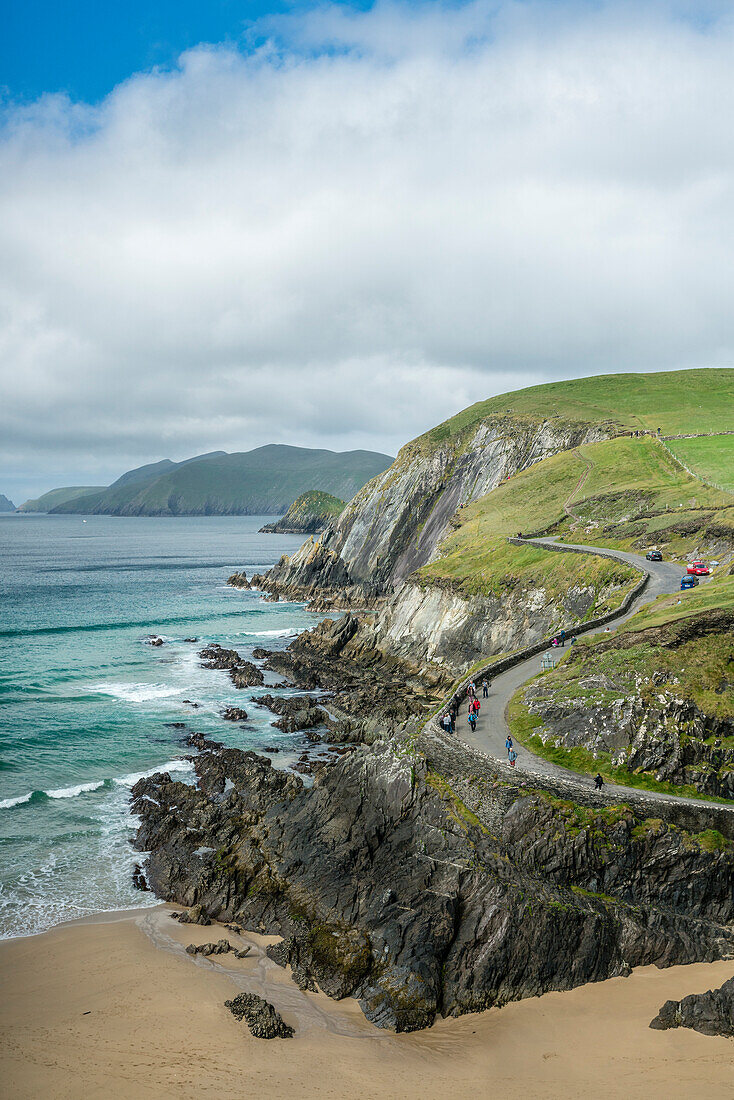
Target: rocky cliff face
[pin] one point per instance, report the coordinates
(429, 623)
(656, 700)
(395, 523)
(387, 886)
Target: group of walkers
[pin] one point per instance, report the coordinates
(474, 706)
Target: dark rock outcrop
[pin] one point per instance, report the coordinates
(373, 692)
(238, 580)
(711, 1013)
(194, 915)
(234, 714)
(221, 947)
(297, 712)
(242, 673)
(260, 1016)
(390, 886)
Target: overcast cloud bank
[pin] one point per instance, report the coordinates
(358, 225)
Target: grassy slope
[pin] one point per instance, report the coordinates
(640, 496)
(263, 481)
(711, 457)
(675, 401)
(623, 476)
(55, 497)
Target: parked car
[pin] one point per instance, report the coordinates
(689, 582)
(698, 569)
(654, 555)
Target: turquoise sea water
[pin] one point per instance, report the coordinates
(87, 706)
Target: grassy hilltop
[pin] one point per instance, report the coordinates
(677, 402)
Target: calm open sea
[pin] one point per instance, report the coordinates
(86, 705)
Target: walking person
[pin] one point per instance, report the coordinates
(472, 719)
(485, 689)
(598, 782)
(508, 744)
(513, 758)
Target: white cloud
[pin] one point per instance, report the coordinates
(361, 226)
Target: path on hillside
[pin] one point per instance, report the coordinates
(492, 727)
(578, 486)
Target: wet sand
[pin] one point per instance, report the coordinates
(116, 1009)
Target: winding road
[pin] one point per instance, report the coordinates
(492, 728)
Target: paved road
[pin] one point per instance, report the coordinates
(492, 728)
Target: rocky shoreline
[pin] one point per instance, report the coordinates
(387, 886)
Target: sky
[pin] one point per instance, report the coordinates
(335, 225)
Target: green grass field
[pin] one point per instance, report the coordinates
(711, 457)
(674, 401)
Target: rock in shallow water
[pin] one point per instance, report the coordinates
(260, 1016)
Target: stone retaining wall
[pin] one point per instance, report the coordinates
(461, 765)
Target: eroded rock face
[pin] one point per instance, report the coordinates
(711, 1013)
(387, 886)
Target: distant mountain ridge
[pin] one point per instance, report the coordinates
(264, 481)
(48, 501)
(5, 504)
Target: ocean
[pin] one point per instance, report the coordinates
(87, 706)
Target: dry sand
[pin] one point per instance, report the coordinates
(116, 1009)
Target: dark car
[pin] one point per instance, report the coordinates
(654, 555)
(689, 582)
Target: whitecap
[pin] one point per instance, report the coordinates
(135, 693)
(6, 803)
(266, 633)
(72, 792)
(130, 780)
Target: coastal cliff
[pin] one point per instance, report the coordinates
(389, 886)
(395, 523)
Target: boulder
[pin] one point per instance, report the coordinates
(260, 1016)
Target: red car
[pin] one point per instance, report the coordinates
(698, 569)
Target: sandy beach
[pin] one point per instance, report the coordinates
(115, 1008)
